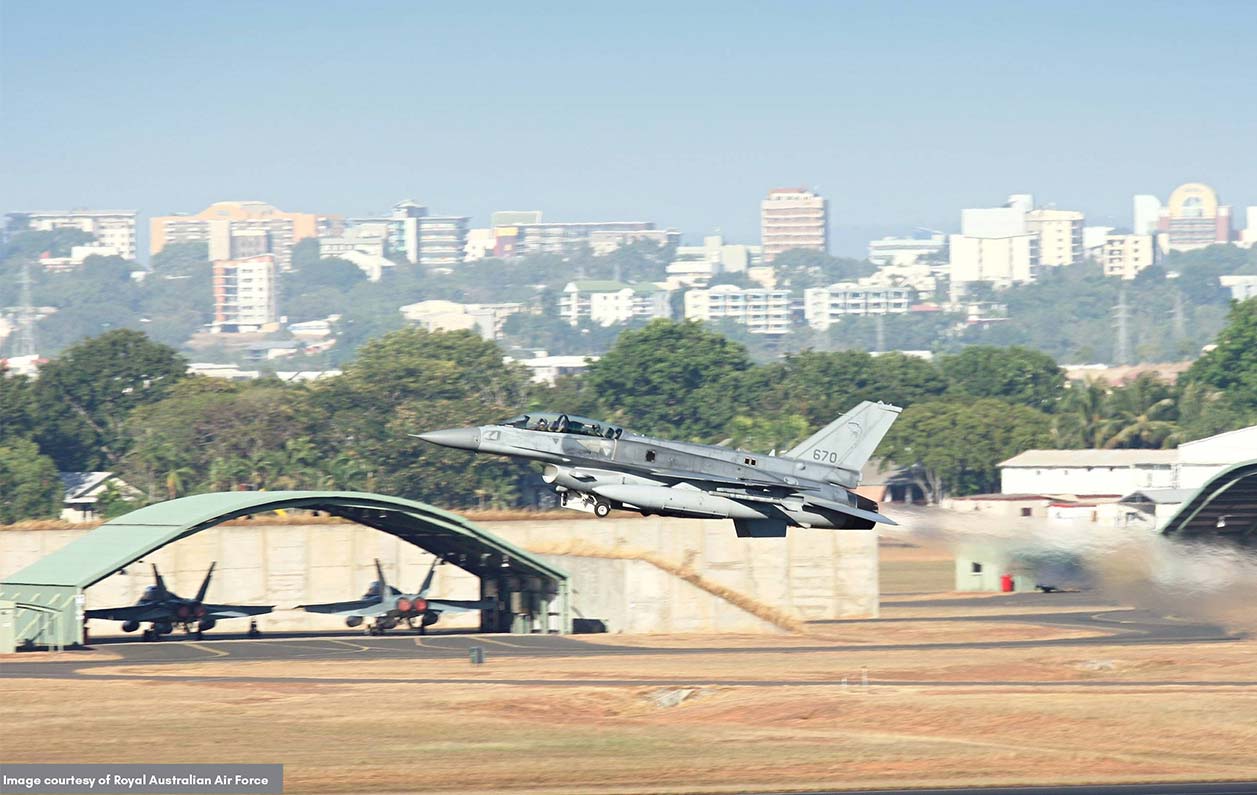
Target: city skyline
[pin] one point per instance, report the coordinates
(897, 120)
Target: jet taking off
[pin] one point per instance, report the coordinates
(160, 606)
(388, 607)
(597, 467)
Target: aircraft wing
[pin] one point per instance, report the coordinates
(850, 510)
(460, 605)
(767, 481)
(150, 612)
(236, 611)
(361, 607)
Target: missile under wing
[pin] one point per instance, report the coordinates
(599, 467)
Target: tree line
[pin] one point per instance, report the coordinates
(123, 402)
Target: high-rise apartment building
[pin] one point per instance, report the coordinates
(1124, 256)
(409, 232)
(113, 229)
(245, 295)
(1146, 209)
(762, 311)
(793, 218)
(220, 223)
(1060, 236)
(994, 245)
(1193, 218)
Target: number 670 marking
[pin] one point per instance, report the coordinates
(825, 455)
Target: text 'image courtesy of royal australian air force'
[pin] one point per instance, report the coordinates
(597, 467)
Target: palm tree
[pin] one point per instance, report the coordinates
(1084, 415)
(1142, 414)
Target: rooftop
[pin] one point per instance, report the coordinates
(1091, 458)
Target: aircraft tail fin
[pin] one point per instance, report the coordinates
(160, 583)
(200, 594)
(427, 581)
(849, 441)
(379, 572)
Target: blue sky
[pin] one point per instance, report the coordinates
(685, 114)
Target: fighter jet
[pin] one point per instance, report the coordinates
(165, 610)
(390, 607)
(597, 467)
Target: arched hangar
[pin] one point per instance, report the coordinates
(1224, 509)
(531, 595)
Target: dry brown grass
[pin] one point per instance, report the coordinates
(409, 737)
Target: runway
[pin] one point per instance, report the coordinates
(1179, 788)
(1122, 626)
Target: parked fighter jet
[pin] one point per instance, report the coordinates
(165, 610)
(597, 467)
(390, 607)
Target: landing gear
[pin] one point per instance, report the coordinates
(196, 635)
(602, 509)
(254, 632)
(149, 634)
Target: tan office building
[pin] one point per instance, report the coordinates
(222, 222)
(793, 218)
(1125, 256)
(1060, 236)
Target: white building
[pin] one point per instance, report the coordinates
(1124, 256)
(480, 244)
(1242, 287)
(919, 277)
(112, 228)
(1093, 240)
(904, 251)
(437, 315)
(995, 246)
(245, 295)
(1088, 472)
(1146, 212)
(547, 369)
(825, 306)
(1123, 472)
(1060, 235)
(696, 265)
(1248, 235)
(793, 218)
(608, 302)
(761, 311)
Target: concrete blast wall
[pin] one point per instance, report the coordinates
(810, 574)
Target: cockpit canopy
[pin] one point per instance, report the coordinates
(565, 423)
(151, 594)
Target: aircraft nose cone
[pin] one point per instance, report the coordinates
(459, 438)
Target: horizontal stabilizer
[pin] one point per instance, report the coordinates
(859, 513)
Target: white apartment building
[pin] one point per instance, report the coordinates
(112, 228)
(904, 251)
(1248, 235)
(793, 218)
(994, 245)
(1124, 256)
(762, 311)
(1146, 212)
(245, 295)
(825, 306)
(609, 302)
(1242, 287)
(696, 265)
(1060, 236)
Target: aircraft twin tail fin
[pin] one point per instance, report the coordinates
(200, 594)
(427, 581)
(849, 441)
(159, 582)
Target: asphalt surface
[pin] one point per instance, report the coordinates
(1121, 626)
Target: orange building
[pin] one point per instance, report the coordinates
(222, 222)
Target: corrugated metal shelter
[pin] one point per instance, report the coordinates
(1224, 509)
(49, 599)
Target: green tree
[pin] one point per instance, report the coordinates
(957, 446)
(1082, 419)
(86, 394)
(1141, 414)
(1015, 374)
(797, 269)
(1231, 366)
(671, 379)
(182, 259)
(411, 381)
(29, 485)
